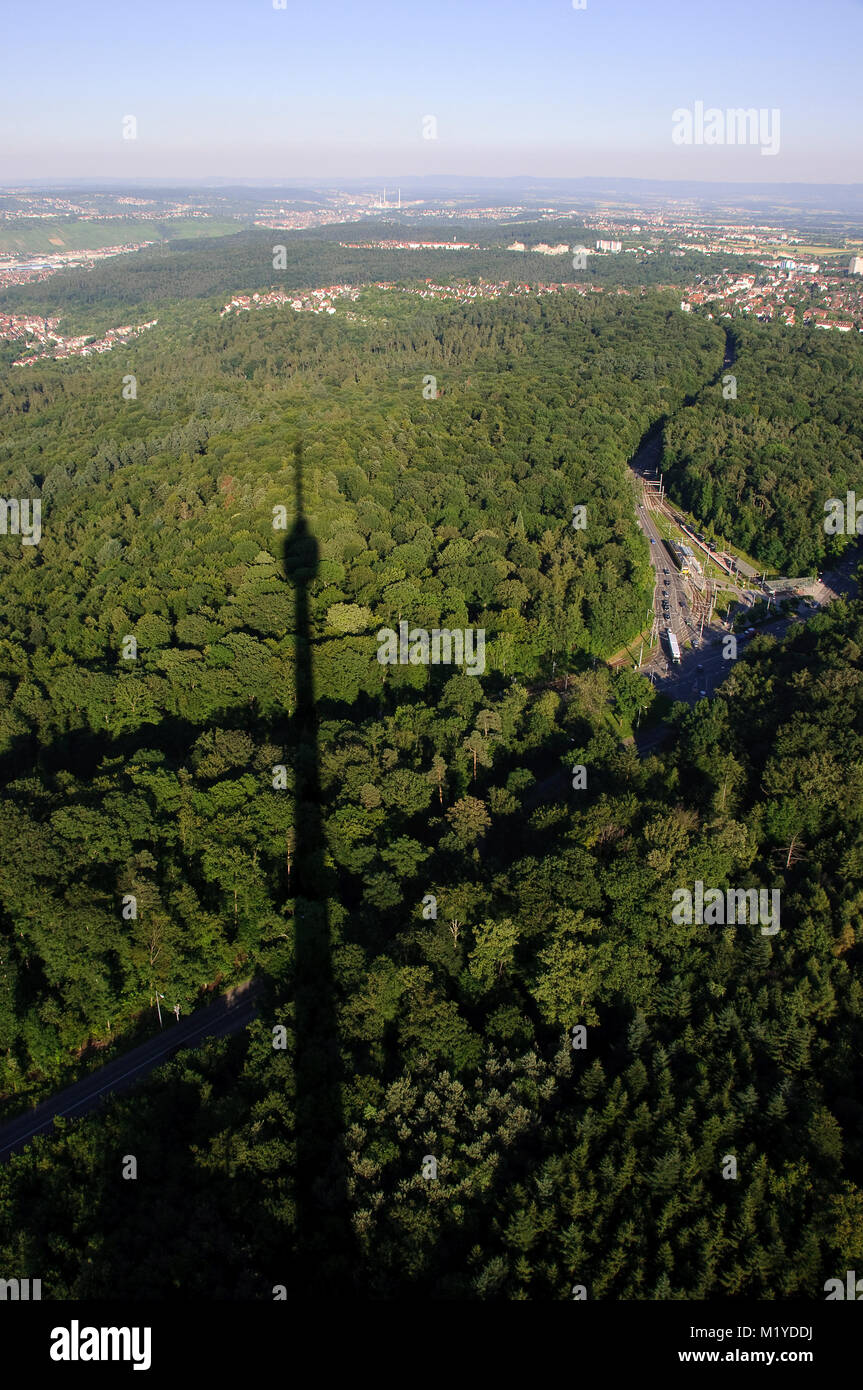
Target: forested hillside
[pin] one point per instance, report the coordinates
(508, 1071)
(153, 776)
(760, 467)
(152, 279)
(604, 1166)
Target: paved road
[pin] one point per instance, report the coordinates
(228, 1014)
(668, 582)
(703, 669)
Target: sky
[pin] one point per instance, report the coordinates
(325, 89)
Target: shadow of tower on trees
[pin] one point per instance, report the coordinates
(323, 1229)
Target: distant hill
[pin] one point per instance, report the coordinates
(45, 235)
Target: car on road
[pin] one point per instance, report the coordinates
(665, 571)
(703, 694)
(699, 667)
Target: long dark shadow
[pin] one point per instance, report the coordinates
(324, 1246)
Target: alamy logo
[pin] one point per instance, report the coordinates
(15, 519)
(844, 518)
(714, 907)
(418, 647)
(78, 1343)
(852, 1288)
(737, 126)
(16, 1289)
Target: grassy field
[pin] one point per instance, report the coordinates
(44, 235)
(797, 253)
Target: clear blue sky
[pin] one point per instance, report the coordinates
(329, 88)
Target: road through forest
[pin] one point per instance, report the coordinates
(228, 1014)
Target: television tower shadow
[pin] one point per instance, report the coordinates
(324, 1237)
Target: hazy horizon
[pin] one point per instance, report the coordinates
(545, 92)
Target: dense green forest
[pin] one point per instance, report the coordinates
(509, 1072)
(148, 281)
(158, 524)
(759, 468)
(600, 1166)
